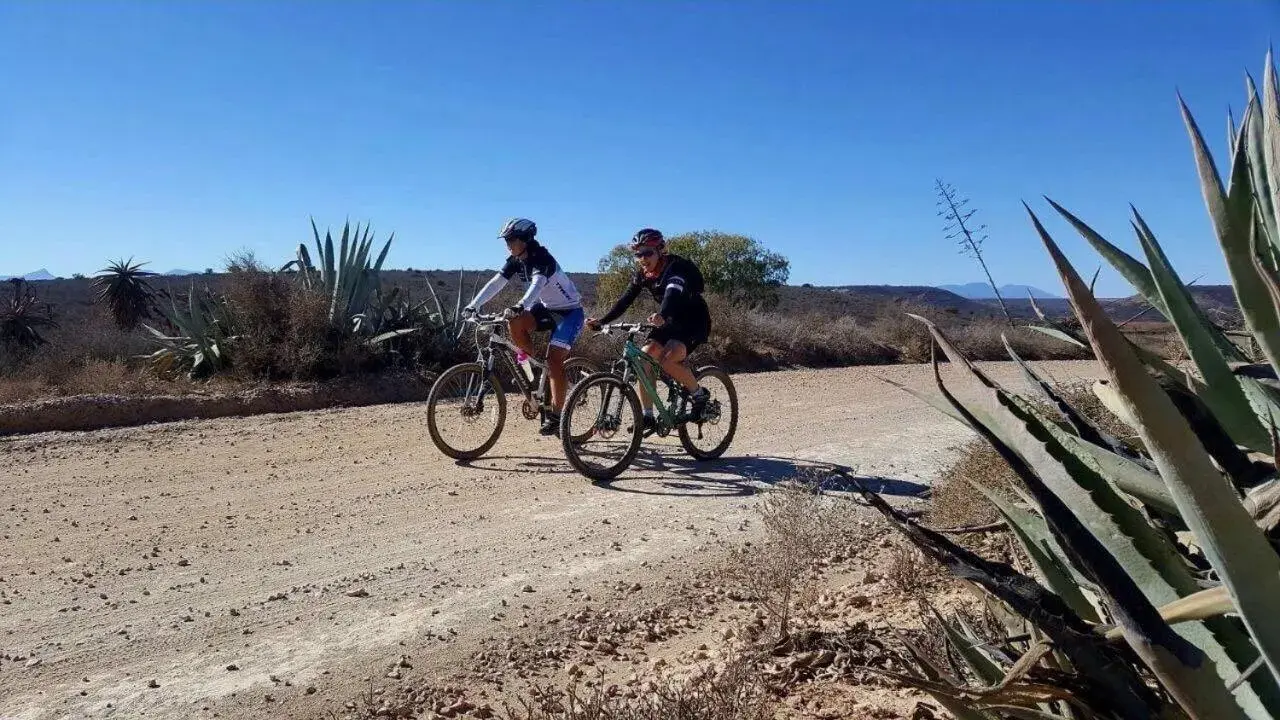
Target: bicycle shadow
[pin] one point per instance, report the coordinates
(517, 464)
(743, 476)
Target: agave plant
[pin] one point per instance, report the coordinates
(346, 278)
(200, 346)
(390, 316)
(123, 287)
(20, 321)
(1155, 581)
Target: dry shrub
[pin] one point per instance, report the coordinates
(734, 692)
(800, 526)
(745, 339)
(907, 336)
(909, 572)
(283, 330)
(981, 339)
(955, 502)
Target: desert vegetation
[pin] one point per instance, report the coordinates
(1119, 537)
(1147, 572)
(345, 316)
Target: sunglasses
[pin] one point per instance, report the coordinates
(644, 253)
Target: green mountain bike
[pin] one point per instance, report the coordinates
(602, 425)
(467, 404)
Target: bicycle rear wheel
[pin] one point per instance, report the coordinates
(459, 403)
(601, 425)
(719, 420)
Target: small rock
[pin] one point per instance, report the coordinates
(359, 593)
(233, 667)
(527, 588)
(153, 684)
(33, 662)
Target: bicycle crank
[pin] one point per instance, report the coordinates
(529, 409)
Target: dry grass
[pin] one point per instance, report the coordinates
(800, 527)
(955, 503)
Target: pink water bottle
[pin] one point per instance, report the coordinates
(523, 359)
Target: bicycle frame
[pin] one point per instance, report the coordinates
(633, 362)
(487, 355)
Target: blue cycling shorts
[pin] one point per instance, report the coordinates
(566, 324)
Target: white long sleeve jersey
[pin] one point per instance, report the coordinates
(547, 283)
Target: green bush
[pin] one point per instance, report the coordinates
(737, 267)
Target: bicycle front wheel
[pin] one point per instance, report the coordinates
(600, 426)
(709, 436)
(466, 409)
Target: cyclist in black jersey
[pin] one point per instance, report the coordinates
(683, 320)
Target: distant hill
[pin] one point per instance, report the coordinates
(40, 274)
(180, 271)
(982, 291)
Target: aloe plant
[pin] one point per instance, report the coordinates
(122, 285)
(20, 321)
(1122, 538)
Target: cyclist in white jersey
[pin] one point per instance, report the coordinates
(550, 302)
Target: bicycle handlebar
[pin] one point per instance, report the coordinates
(625, 327)
(479, 319)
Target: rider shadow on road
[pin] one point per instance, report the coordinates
(735, 476)
(517, 464)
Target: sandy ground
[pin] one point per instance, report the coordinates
(273, 566)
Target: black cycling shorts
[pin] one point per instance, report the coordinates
(691, 330)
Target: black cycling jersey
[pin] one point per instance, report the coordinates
(677, 289)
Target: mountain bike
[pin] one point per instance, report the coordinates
(468, 393)
(602, 413)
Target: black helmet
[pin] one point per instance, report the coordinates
(519, 229)
(648, 237)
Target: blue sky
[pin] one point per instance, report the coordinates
(179, 132)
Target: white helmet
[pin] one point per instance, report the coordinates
(519, 229)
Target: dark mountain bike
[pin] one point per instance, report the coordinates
(602, 417)
(468, 399)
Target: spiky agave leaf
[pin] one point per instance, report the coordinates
(1236, 549)
(1108, 680)
(1237, 402)
(1111, 541)
(1264, 155)
(1051, 567)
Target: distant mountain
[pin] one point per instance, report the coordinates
(40, 274)
(982, 291)
(180, 271)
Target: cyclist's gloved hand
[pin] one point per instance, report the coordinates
(593, 323)
(514, 311)
(657, 320)
(468, 312)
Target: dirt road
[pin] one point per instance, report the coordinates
(269, 566)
